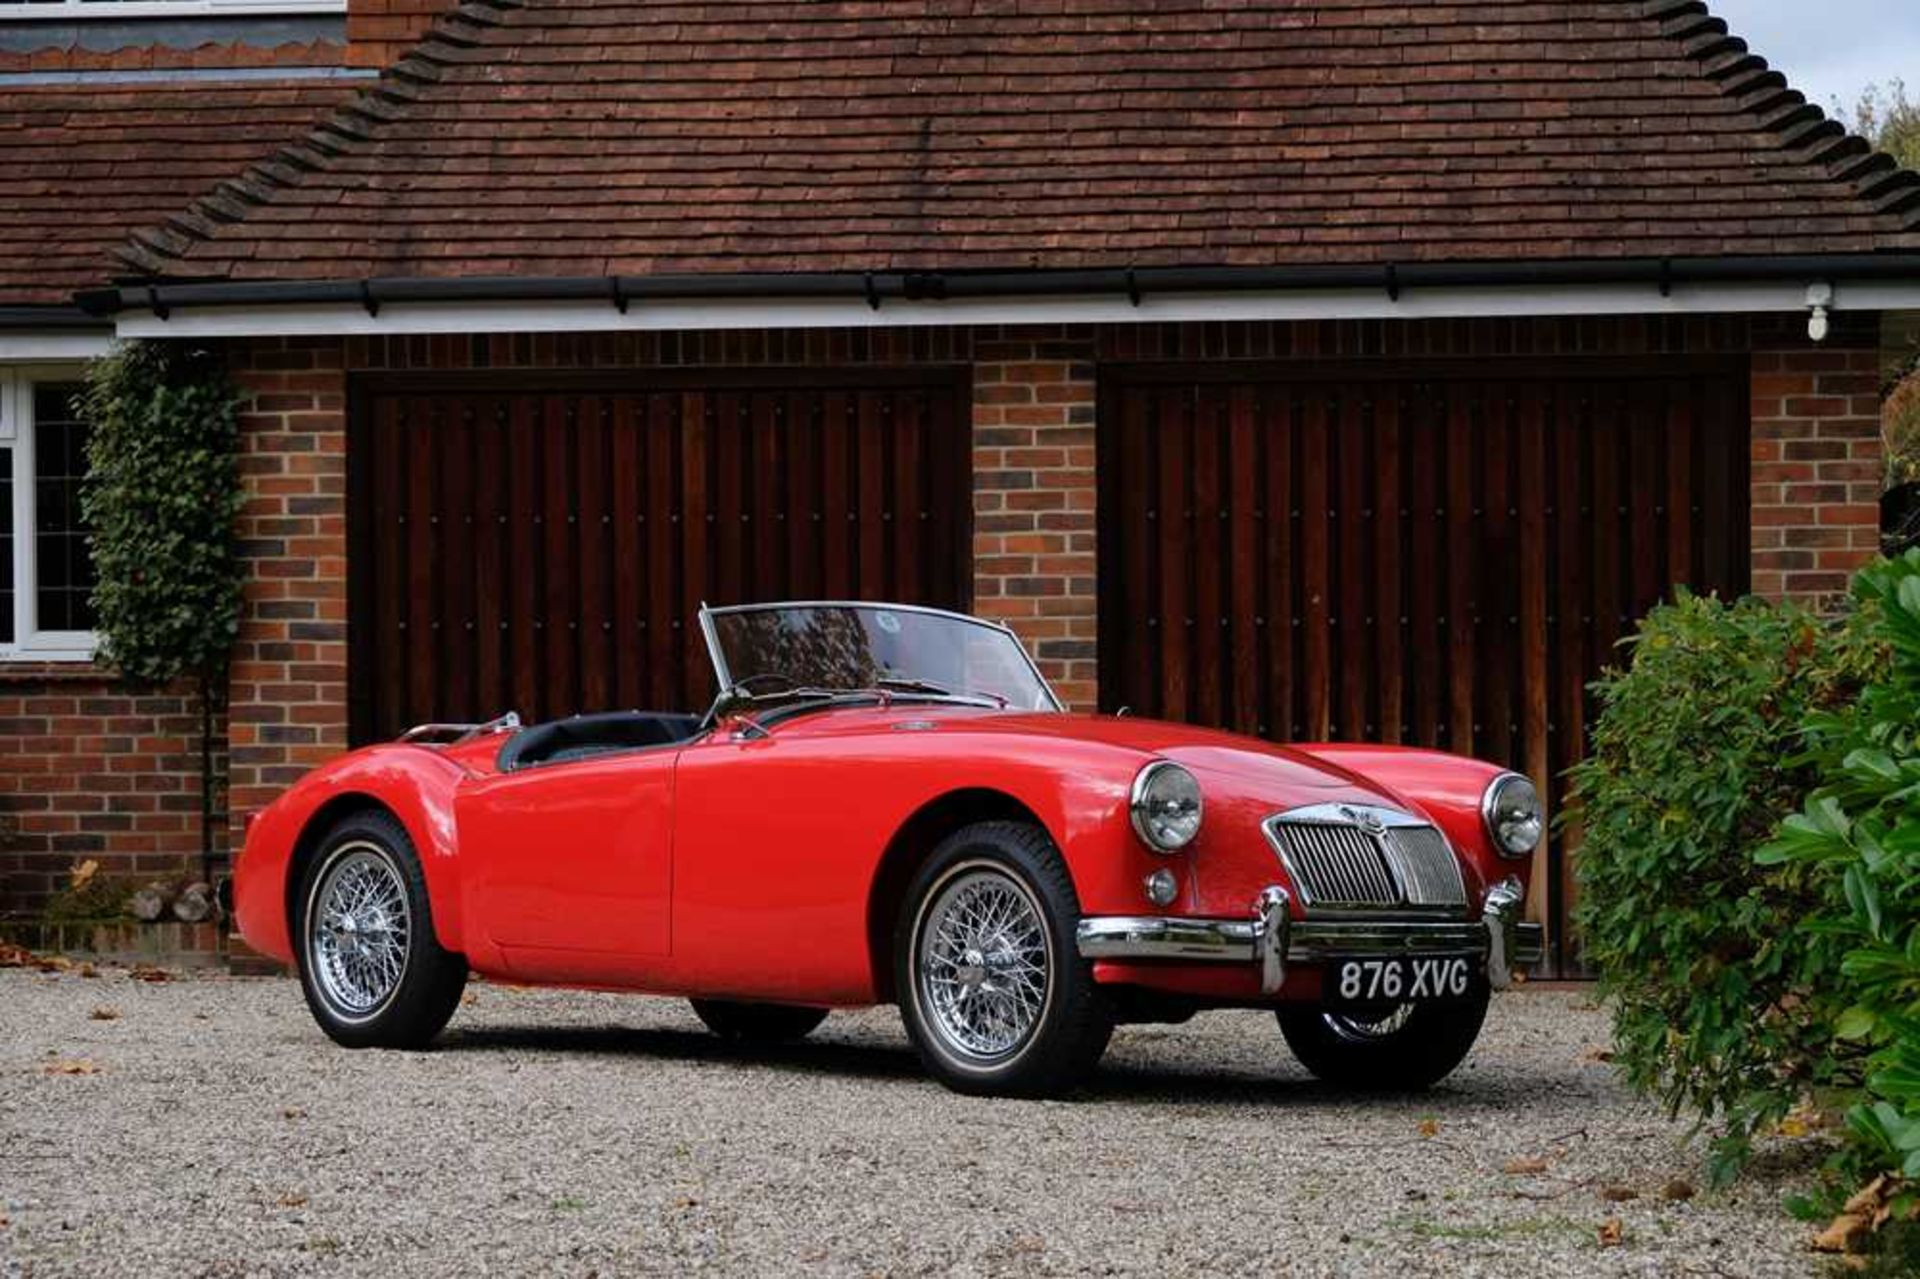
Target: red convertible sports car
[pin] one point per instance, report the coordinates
(886, 804)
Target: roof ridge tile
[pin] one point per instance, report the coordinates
(263, 178)
(1779, 110)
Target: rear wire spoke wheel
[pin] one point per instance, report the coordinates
(359, 930)
(991, 985)
(374, 974)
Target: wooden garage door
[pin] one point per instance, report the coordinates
(542, 542)
(1437, 554)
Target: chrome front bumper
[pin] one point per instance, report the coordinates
(1271, 938)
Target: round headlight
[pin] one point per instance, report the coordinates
(1166, 806)
(1513, 813)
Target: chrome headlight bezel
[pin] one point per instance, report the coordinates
(1514, 817)
(1165, 830)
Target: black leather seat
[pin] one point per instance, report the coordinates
(584, 736)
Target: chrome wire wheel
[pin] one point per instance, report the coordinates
(359, 931)
(1366, 1030)
(983, 964)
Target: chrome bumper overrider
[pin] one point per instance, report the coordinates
(1271, 939)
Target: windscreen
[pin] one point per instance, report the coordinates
(766, 651)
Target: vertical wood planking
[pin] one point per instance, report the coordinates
(1316, 608)
(546, 549)
(1389, 562)
(1485, 511)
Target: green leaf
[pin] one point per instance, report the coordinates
(1855, 1023)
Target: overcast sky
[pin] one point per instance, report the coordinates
(1831, 48)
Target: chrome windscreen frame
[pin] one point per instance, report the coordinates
(725, 676)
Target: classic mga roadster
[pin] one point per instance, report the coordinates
(887, 804)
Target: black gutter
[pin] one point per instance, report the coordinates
(881, 286)
(45, 318)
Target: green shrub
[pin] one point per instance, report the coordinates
(1860, 831)
(162, 497)
(1719, 1003)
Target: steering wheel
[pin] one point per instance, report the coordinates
(785, 681)
(781, 678)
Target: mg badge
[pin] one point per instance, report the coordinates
(1366, 820)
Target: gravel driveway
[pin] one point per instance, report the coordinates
(206, 1128)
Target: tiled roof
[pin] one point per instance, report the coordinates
(596, 137)
(213, 54)
(85, 162)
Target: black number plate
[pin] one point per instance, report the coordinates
(1400, 979)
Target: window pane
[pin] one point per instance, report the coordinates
(63, 571)
(6, 546)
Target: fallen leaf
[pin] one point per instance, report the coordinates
(1677, 1190)
(1429, 1127)
(1524, 1167)
(1612, 1233)
(147, 972)
(1869, 1196)
(88, 970)
(293, 1199)
(1848, 1231)
(83, 873)
(70, 1066)
(12, 956)
(686, 1201)
(1600, 1055)
(1618, 1194)
(469, 999)
(52, 963)
(105, 1014)
(1801, 1120)
(293, 1112)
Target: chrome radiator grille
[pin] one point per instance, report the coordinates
(1345, 857)
(1429, 872)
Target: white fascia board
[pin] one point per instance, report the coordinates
(18, 347)
(697, 314)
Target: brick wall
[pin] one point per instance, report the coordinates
(1817, 469)
(94, 770)
(288, 685)
(379, 32)
(1033, 502)
(97, 770)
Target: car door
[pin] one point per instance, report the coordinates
(569, 865)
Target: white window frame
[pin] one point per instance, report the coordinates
(31, 644)
(113, 10)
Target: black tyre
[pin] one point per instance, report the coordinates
(1402, 1049)
(757, 1023)
(374, 974)
(992, 988)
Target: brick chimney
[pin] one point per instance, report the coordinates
(380, 31)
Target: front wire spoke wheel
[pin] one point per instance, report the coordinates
(983, 964)
(1370, 1029)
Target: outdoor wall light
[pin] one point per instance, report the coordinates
(1819, 298)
